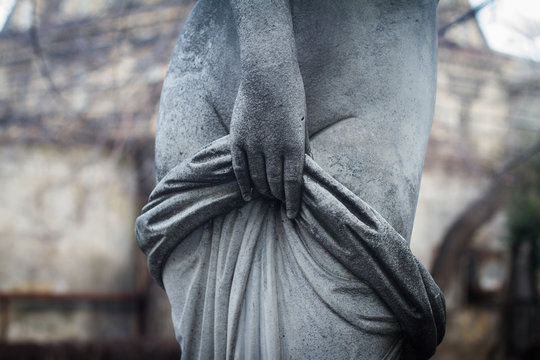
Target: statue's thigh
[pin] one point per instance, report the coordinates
(187, 121)
(341, 150)
(361, 156)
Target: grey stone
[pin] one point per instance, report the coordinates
(263, 252)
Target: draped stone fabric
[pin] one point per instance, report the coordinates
(246, 282)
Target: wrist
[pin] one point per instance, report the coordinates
(263, 69)
(278, 80)
(269, 54)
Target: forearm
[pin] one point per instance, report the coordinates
(265, 33)
(268, 120)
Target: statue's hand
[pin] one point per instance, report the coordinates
(268, 128)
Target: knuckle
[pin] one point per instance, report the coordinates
(295, 162)
(238, 158)
(292, 172)
(293, 177)
(238, 169)
(292, 183)
(237, 144)
(257, 177)
(274, 180)
(274, 175)
(294, 148)
(236, 141)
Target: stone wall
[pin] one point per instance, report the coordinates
(486, 112)
(66, 227)
(66, 219)
(78, 97)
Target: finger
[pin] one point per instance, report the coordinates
(257, 173)
(240, 168)
(274, 174)
(292, 174)
(308, 143)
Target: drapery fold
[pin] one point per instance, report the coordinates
(332, 218)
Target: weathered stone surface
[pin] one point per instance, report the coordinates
(363, 89)
(65, 220)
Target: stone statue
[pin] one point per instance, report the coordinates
(290, 143)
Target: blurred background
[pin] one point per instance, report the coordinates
(79, 88)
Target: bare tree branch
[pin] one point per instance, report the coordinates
(468, 15)
(457, 239)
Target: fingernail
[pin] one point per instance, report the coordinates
(291, 214)
(247, 197)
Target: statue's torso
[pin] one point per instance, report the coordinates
(369, 71)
